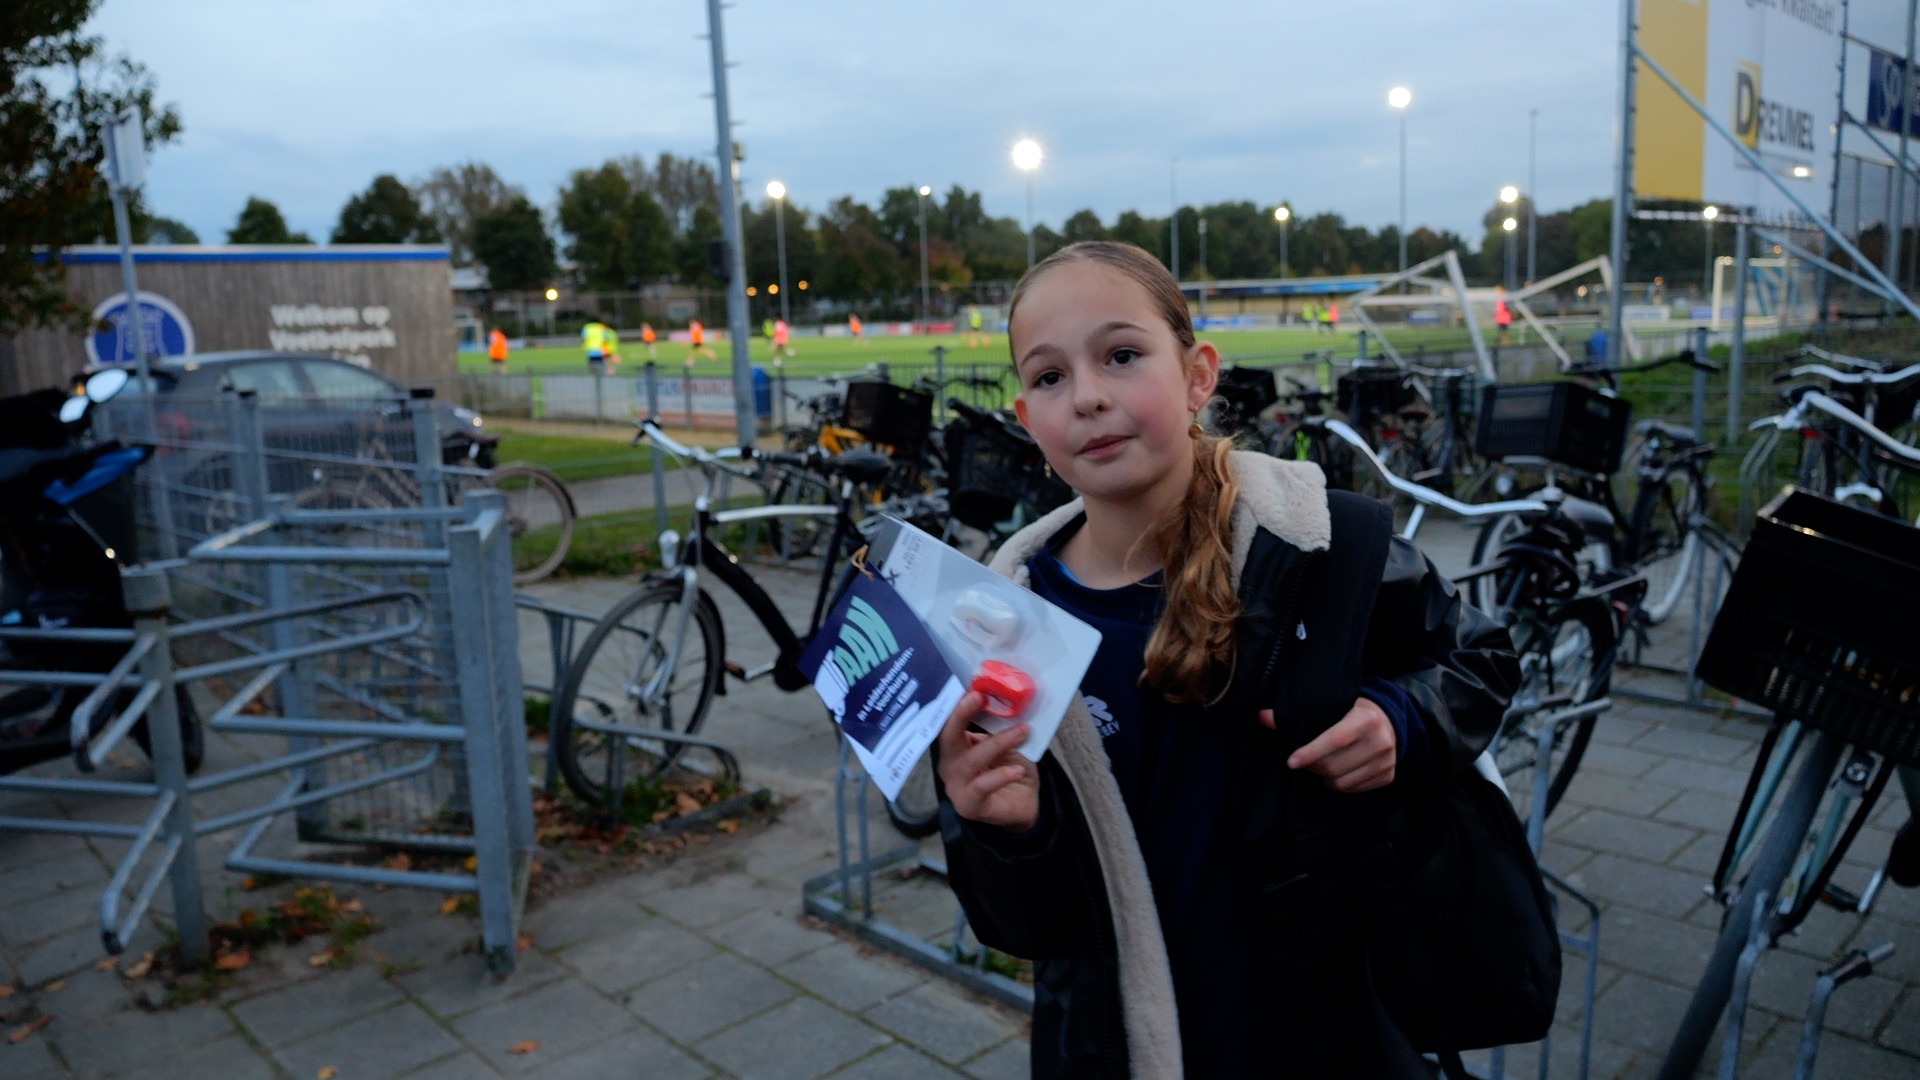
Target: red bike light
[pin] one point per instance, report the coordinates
(1008, 690)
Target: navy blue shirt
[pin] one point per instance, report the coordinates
(1173, 767)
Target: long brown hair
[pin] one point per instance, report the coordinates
(1191, 650)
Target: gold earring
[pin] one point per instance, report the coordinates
(1194, 430)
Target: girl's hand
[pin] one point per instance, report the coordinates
(986, 778)
(1357, 754)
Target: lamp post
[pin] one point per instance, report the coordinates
(1533, 116)
(1509, 195)
(1510, 225)
(1707, 215)
(777, 191)
(1026, 158)
(925, 304)
(1400, 97)
(1284, 215)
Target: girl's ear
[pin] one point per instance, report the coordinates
(1203, 374)
(1020, 410)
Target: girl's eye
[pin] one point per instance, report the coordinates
(1125, 356)
(1046, 378)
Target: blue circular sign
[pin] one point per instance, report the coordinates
(166, 329)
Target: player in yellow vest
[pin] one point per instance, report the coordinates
(593, 337)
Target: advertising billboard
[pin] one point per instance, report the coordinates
(1768, 70)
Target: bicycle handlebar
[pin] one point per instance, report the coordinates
(1860, 378)
(1812, 398)
(1819, 353)
(1427, 495)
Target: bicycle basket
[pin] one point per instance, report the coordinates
(1378, 391)
(888, 414)
(990, 470)
(1898, 405)
(1813, 624)
(1247, 392)
(1564, 422)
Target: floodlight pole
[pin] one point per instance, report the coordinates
(1403, 193)
(1900, 174)
(1833, 197)
(926, 304)
(1533, 117)
(126, 175)
(743, 414)
(780, 241)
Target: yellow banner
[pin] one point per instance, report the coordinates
(1670, 138)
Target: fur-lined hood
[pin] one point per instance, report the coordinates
(1287, 499)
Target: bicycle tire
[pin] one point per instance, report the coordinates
(1571, 653)
(796, 537)
(915, 812)
(1484, 592)
(193, 734)
(1665, 548)
(619, 656)
(1779, 846)
(537, 501)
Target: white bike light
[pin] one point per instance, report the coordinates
(986, 620)
(669, 549)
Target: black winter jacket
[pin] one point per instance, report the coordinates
(1074, 897)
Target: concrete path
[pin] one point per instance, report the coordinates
(705, 966)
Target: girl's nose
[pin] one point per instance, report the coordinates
(1089, 396)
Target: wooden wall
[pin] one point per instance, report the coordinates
(389, 304)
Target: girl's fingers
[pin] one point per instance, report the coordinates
(952, 737)
(993, 780)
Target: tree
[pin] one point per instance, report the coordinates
(681, 186)
(385, 213)
(1148, 234)
(260, 223)
(860, 264)
(513, 244)
(57, 93)
(160, 230)
(618, 237)
(691, 247)
(456, 197)
(1083, 225)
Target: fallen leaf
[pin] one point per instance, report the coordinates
(233, 961)
(140, 967)
(352, 907)
(400, 861)
(327, 1072)
(729, 826)
(108, 964)
(523, 942)
(56, 986)
(524, 1046)
(21, 1033)
(249, 883)
(686, 804)
(450, 905)
(472, 863)
(5, 992)
(321, 958)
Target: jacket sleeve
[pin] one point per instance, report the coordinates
(1020, 892)
(1455, 663)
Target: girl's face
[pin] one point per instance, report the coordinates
(1106, 388)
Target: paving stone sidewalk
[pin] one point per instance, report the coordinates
(706, 967)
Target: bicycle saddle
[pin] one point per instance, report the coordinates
(863, 466)
(1677, 434)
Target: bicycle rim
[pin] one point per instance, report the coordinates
(540, 517)
(1779, 846)
(620, 691)
(1485, 591)
(1666, 548)
(1571, 656)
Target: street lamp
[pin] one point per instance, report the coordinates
(1284, 216)
(1510, 195)
(925, 191)
(1509, 225)
(1026, 158)
(1400, 97)
(777, 191)
(1708, 215)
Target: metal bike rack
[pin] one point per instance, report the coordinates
(843, 896)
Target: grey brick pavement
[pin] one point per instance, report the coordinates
(704, 967)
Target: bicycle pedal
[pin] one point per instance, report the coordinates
(1840, 899)
(735, 670)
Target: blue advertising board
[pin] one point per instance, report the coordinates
(1888, 94)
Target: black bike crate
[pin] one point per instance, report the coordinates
(888, 414)
(1564, 422)
(1818, 623)
(1251, 391)
(1379, 391)
(988, 473)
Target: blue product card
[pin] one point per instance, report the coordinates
(883, 678)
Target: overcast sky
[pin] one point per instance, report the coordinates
(303, 103)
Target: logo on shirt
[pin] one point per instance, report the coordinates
(1301, 631)
(1103, 720)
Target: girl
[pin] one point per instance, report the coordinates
(1184, 865)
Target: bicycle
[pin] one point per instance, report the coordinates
(1566, 630)
(638, 690)
(1577, 435)
(874, 416)
(1809, 629)
(1847, 446)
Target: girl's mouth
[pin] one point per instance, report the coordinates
(1104, 447)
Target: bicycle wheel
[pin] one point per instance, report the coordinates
(620, 689)
(1485, 591)
(1779, 846)
(1661, 540)
(540, 517)
(915, 812)
(1568, 656)
(797, 536)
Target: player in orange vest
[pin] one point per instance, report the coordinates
(698, 332)
(853, 324)
(780, 346)
(648, 337)
(497, 349)
(1502, 314)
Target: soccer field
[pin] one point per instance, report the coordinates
(818, 356)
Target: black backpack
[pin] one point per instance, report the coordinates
(1462, 949)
